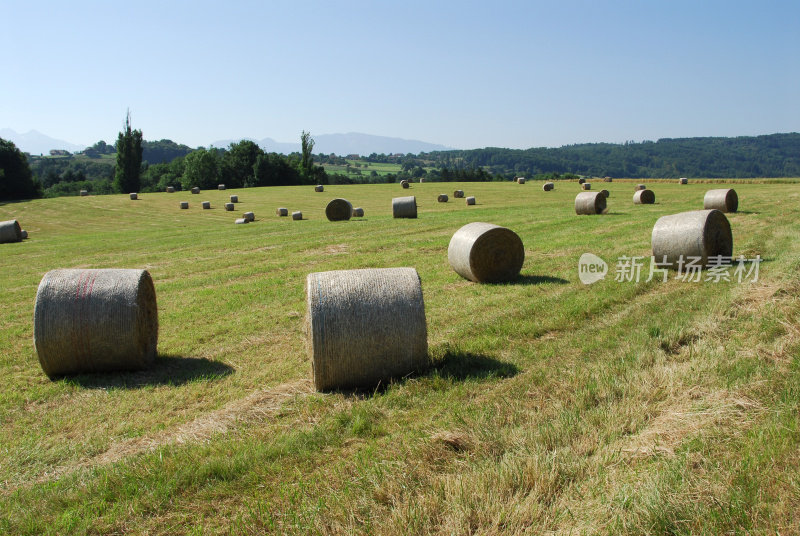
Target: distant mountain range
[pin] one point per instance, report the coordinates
(35, 142)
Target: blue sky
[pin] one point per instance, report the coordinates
(463, 74)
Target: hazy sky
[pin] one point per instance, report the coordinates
(463, 74)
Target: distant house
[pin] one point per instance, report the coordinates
(353, 156)
(59, 152)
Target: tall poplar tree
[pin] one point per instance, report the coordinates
(129, 159)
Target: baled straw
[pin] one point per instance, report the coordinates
(319, 188)
(196, 190)
(683, 180)
(590, 203)
(234, 199)
(339, 209)
(282, 211)
(458, 194)
(548, 186)
(84, 193)
(206, 205)
(421, 180)
(644, 197)
(520, 180)
(241, 220)
(641, 187)
(471, 200)
(249, 216)
(358, 212)
(95, 320)
(486, 253)
(365, 327)
(586, 186)
(404, 207)
(220, 187)
(723, 199)
(24, 234)
(297, 215)
(697, 234)
(404, 184)
(605, 193)
(170, 189)
(10, 231)
(581, 180)
(229, 206)
(442, 198)
(134, 196)
(607, 179)
(184, 204)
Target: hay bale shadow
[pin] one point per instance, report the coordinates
(534, 280)
(457, 365)
(166, 370)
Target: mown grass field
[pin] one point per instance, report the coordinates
(550, 406)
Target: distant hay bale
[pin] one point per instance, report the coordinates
(607, 179)
(358, 212)
(196, 190)
(84, 193)
(220, 187)
(206, 205)
(24, 234)
(404, 184)
(240, 221)
(442, 198)
(590, 203)
(338, 210)
(641, 187)
(421, 180)
(723, 199)
(170, 189)
(282, 211)
(696, 234)
(683, 180)
(365, 327)
(184, 204)
(95, 320)
(520, 180)
(10, 231)
(586, 186)
(581, 180)
(458, 194)
(249, 216)
(319, 188)
(234, 199)
(134, 196)
(471, 200)
(644, 197)
(297, 215)
(404, 207)
(229, 206)
(548, 186)
(486, 253)
(605, 193)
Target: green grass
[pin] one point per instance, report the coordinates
(663, 408)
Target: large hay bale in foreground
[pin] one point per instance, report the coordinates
(723, 199)
(196, 190)
(282, 211)
(548, 186)
(234, 199)
(249, 216)
(586, 186)
(458, 194)
(683, 180)
(184, 204)
(471, 200)
(644, 197)
(698, 233)
(486, 253)
(319, 188)
(404, 207)
(170, 189)
(95, 320)
(590, 203)
(10, 231)
(229, 206)
(358, 212)
(365, 327)
(134, 196)
(339, 209)
(206, 205)
(297, 215)
(442, 198)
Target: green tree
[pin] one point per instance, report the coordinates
(238, 163)
(200, 168)
(16, 179)
(307, 158)
(129, 159)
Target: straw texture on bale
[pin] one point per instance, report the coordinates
(249, 216)
(581, 180)
(220, 187)
(458, 194)
(365, 327)
(24, 234)
(196, 190)
(521, 180)
(404, 207)
(84, 193)
(282, 211)
(486, 253)
(698, 233)
(641, 187)
(241, 220)
(234, 199)
(206, 205)
(442, 198)
(358, 212)
(683, 180)
(548, 186)
(590, 203)
(319, 188)
(10, 231)
(723, 199)
(339, 209)
(95, 320)
(471, 200)
(229, 206)
(134, 196)
(605, 193)
(170, 189)
(297, 215)
(586, 186)
(184, 204)
(644, 197)
(404, 184)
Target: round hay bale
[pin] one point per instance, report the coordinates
(641, 187)
(590, 203)
(548, 186)
(605, 193)
(442, 198)
(24, 234)
(404, 207)
(95, 320)
(84, 193)
(282, 211)
(607, 179)
(698, 233)
(234, 199)
(365, 327)
(644, 197)
(229, 206)
(521, 180)
(10, 231)
(170, 189)
(339, 209)
(184, 204)
(206, 205)
(404, 184)
(196, 190)
(240, 221)
(134, 196)
(421, 180)
(297, 215)
(249, 216)
(458, 194)
(319, 188)
(586, 186)
(358, 212)
(581, 180)
(723, 199)
(486, 253)
(220, 187)
(471, 200)
(683, 180)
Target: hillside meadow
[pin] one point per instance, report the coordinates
(550, 406)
